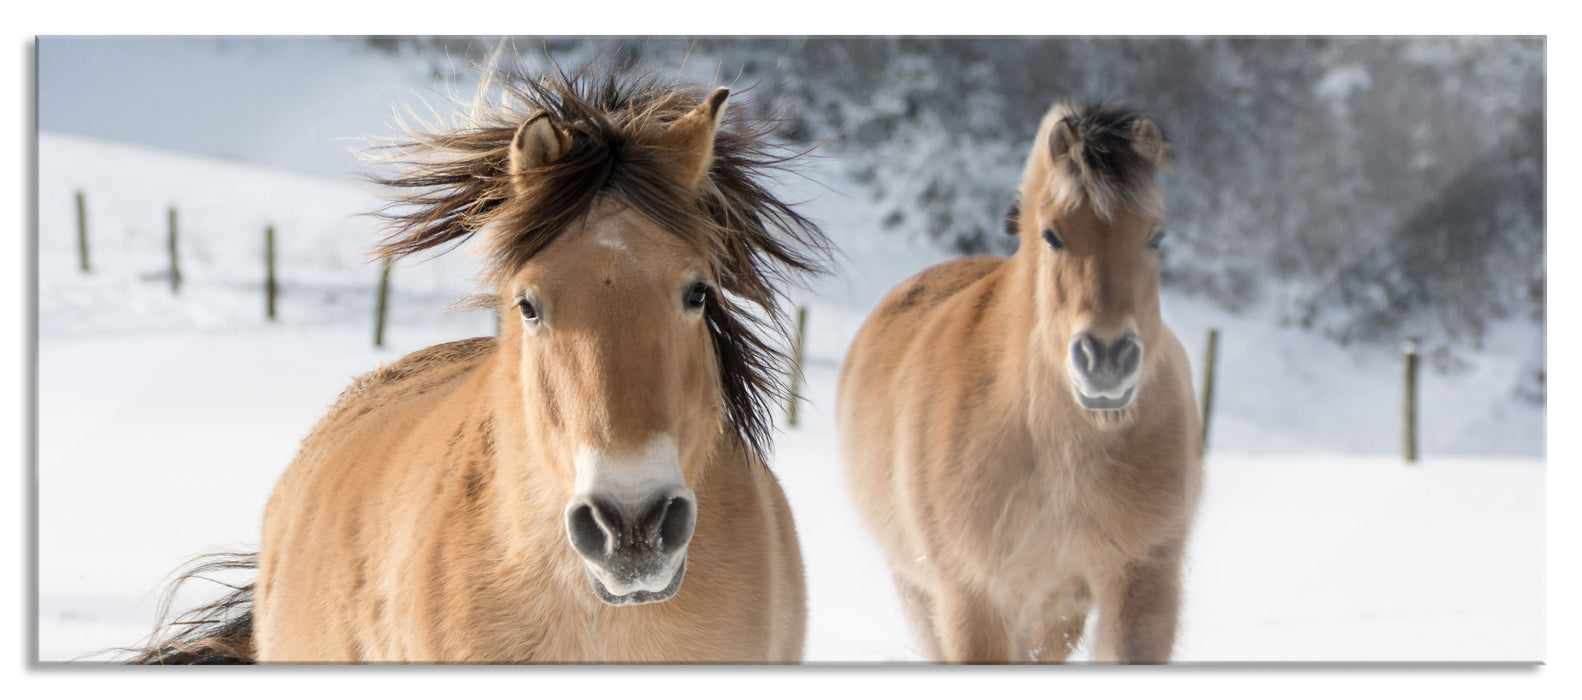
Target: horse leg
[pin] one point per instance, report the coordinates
(1138, 607)
(971, 629)
(1061, 630)
(916, 606)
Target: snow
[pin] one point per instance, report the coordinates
(164, 420)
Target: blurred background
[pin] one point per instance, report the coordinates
(1371, 188)
(1332, 200)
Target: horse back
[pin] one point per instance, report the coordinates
(412, 377)
(916, 309)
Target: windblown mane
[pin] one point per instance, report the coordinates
(455, 183)
(1100, 157)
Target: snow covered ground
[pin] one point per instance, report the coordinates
(164, 420)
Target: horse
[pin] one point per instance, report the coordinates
(1019, 434)
(590, 485)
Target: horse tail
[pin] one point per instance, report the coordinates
(220, 632)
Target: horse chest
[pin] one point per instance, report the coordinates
(1048, 516)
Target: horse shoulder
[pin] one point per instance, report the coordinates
(788, 576)
(929, 419)
(1169, 440)
(749, 563)
(379, 410)
(324, 517)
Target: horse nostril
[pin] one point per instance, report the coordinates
(588, 535)
(1128, 355)
(675, 528)
(668, 525)
(1084, 353)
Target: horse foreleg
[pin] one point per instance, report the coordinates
(917, 606)
(1138, 607)
(1058, 640)
(970, 629)
(1064, 619)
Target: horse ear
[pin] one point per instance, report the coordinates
(1062, 136)
(692, 136)
(1149, 141)
(537, 142)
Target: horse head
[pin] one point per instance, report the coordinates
(617, 365)
(1092, 217)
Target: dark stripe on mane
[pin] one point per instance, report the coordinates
(1106, 157)
(453, 184)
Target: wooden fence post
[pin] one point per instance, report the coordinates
(1210, 357)
(384, 296)
(82, 229)
(175, 267)
(796, 366)
(270, 287)
(1409, 404)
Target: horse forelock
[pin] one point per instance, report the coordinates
(1103, 156)
(455, 183)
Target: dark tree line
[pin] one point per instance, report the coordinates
(1373, 188)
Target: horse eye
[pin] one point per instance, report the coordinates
(529, 313)
(1157, 241)
(1052, 240)
(697, 296)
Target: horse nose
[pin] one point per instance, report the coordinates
(1127, 355)
(602, 528)
(630, 519)
(1106, 363)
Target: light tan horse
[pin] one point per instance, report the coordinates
(589, 486)
(1020, 434)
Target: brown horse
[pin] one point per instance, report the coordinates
(590, 485)
(1020, 434)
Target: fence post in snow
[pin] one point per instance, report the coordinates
(175, 267)
(796, 366)
(82, 229)
(1209, 358)
(384, 297)
(269, 270)
(1409, 403)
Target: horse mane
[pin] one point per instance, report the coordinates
(1105, 156)
(454, 183)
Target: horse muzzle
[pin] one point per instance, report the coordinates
(1105, 374)
(630, 519)
(633, 554)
